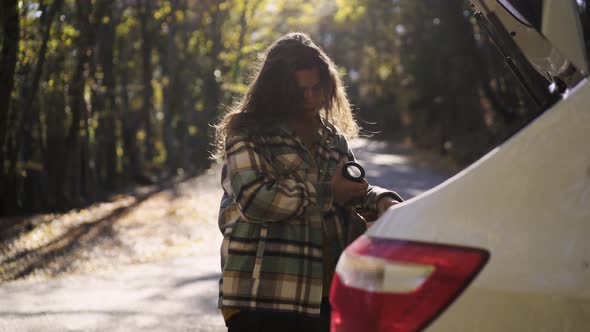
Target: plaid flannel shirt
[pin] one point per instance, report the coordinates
(276, 208)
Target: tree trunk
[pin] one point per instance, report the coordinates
(9, 19)
(33, 198)
(243, 28)
(104, 102)
(11, 33)
(174, 91)
(29, 116)
(211, 95)
(56, 118)
(132, 157)
(70, 176)
(186, 110)
(145, 11)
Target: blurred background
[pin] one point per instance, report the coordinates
(101, 95)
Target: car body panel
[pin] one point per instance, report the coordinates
(562, 28)
(550, 47)
(528, 203)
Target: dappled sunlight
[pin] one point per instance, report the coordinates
(378, 172)
(137, 298)
(383, 159)
(161, 223)
(401, 167)
(121, 93)
(407, 179)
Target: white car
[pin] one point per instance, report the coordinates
(505, 244)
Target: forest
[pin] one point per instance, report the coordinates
(100, 95)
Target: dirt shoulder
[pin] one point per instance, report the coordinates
(150, 225)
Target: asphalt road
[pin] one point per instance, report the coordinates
(181, 294)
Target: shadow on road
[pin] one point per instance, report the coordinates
(57, 255)
(207, 277)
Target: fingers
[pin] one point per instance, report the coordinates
(364, 185)
(337, 175)
(359, 188)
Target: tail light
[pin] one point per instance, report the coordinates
(393, 285)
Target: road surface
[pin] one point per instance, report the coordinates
(180, 294)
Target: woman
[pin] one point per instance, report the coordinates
(284, 212)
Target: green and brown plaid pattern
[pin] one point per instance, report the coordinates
(276, 210)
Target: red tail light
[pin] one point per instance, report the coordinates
(392, 285)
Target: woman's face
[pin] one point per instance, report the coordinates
(308, 81)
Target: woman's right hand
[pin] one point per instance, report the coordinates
(345, 190)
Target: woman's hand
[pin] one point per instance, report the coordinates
(345, 190)
(384, 203)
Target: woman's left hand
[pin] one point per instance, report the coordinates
(385, 203)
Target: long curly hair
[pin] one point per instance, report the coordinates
(273, 93)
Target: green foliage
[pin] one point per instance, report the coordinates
(155, 75)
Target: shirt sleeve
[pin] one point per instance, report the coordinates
(260, 194)
(369, 202)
